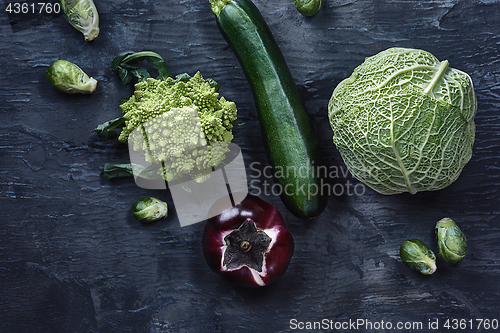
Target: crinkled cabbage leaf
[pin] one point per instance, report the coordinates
(404, 121)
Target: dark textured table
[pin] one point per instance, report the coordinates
(73, 259)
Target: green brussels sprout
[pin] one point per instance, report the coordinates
(149, 210)
(416, 255)
(69, 78)
(83, 16)
(452, 243)
(308, 7)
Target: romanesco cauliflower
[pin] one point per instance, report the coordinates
(181, 124)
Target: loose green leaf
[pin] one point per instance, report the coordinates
(213, 84)
(124, 74)
(107, 131)
(152, 58)
(116, 171)
(141, 74)
(185, 77)
(125, 66)
(112, 171)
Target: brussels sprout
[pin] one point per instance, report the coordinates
(452, 243)
(149, 209)
(83, 16)
(69, 78)
(308, 7)
(416, 255)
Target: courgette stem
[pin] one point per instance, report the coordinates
(218, 5)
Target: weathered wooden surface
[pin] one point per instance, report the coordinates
(73, 259)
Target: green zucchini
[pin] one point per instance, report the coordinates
(291, 144)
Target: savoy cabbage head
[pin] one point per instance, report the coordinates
(404, 121)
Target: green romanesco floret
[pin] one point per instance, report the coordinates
(182, 125)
